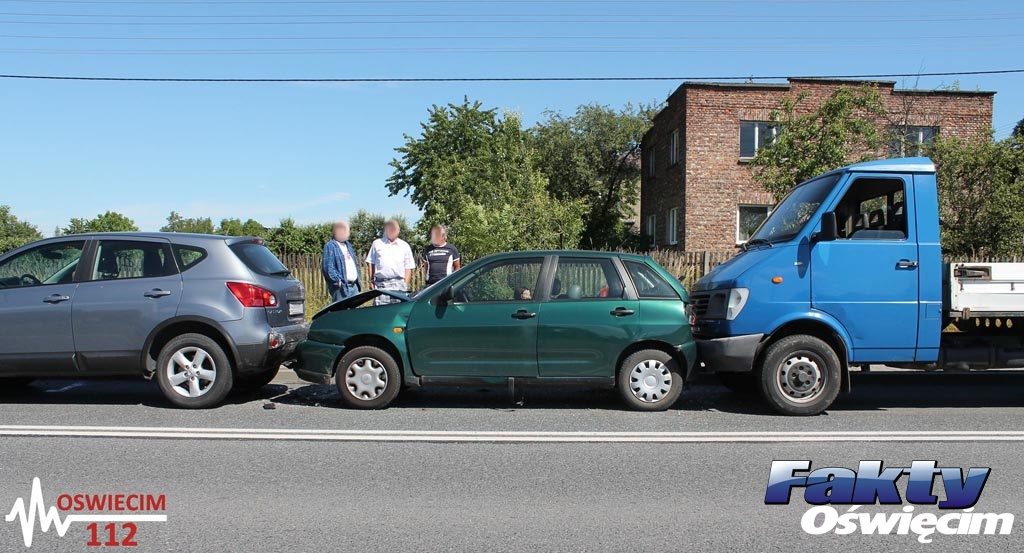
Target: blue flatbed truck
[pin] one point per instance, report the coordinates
(848, 271)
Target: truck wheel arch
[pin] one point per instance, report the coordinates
(819, 328)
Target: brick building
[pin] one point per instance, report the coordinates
(697, 191)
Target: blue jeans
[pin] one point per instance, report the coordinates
(339, 293)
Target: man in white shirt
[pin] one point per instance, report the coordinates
(391, 263)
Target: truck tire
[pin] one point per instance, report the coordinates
(194, 372)
(740, 383)
(650, 380)
(367, 378)
(800, 375)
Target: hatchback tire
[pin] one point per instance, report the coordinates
(367, 378)
(194, 372)
(800, 375)
(650, 380)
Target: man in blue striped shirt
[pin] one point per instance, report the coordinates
(339, 266)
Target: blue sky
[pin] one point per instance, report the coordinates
(316, 152)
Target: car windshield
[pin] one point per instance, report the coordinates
(792, 213)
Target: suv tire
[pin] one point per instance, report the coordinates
(367, 378)
(251, 382)
(650, 380)
(194, 372)
(800, 375)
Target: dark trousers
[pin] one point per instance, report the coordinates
(339, 293)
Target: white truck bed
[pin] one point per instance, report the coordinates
(986, 289)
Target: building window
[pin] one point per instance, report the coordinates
(673, 148)
(748, 218)
(755, 135)
(670, 227)
(652, 229)
(910, 141)
(650, 161)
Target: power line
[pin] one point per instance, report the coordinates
(378, 2)
(866, 76)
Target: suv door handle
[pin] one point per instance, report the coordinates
(622, 312)
(523, 314)
(56, 298)
(906, 264)
(157, 293)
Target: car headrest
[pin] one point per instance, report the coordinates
(556, 287)
(575, 292)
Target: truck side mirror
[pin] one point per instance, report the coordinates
(829, 228)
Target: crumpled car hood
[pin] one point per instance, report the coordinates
(352, 302)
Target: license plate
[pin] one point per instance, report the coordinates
(296, 308)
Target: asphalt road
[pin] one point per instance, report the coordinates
(323, 491)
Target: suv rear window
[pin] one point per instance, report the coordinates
(649, 284)
(259, 259)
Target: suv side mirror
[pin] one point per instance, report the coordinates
(829, 228)
(444, 296)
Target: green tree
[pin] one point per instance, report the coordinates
(111, 221)
(15, 233)
(291, 238)
(477, 172)
(177, 223)
(365, 227)
(842, 130)
(1018, 129)
(594, 155)
(235, 227)
(981, 196)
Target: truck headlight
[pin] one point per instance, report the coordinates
(726, 304)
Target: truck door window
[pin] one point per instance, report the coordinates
(873, 209)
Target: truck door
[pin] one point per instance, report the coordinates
(868, 277)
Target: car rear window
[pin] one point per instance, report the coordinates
(649, 284)
(259, 259)
(188, 256)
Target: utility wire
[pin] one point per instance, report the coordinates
(756, 39)
(378, 2)
(865, 76)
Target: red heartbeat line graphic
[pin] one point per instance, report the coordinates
(50, 517)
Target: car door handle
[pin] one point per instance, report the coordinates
(622, 312)
(906, 264)
(157, 293)
(523, 314)
(56, 298)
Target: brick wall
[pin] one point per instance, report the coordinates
(711, 181)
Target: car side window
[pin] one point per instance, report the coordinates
(188, 256)
(124, 259)
(873, 209)
(507, 280)
(47, 264)
(582, 278)
(649, 284)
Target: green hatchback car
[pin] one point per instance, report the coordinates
(562, 318)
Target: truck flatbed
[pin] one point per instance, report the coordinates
(985, 290)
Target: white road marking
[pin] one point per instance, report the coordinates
(184, 433)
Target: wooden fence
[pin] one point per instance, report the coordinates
(688, 266)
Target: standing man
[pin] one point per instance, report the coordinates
(440, 258)
(339, 266)
(391, 263)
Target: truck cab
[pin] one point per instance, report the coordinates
(846, 270)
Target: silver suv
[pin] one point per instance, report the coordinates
(203, 314)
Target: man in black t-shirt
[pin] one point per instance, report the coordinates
(440, 258)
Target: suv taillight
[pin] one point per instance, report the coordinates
(250, 295)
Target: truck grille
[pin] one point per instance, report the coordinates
(699, 303)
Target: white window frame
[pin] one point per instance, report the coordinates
(757, 134)
(673, 147)
(671, 227)
(768, 212)
(652, 229)
(650, 161)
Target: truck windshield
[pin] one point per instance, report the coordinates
(792, 213)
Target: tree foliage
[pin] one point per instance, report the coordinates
(13, 232)
(478, 172)
(1018, 129)
(842, 130)
(365, 227)
(111, 221)
(594, 155)
(981, 196)
(235, 227)
(177, 223)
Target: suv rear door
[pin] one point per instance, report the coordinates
(131, 286)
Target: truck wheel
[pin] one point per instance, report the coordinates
(194, 372)
(740, 383)
(800, 375)
(254, 381)
(650, 380)
(367, 378)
